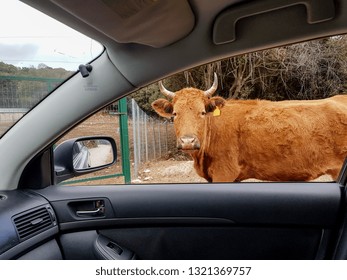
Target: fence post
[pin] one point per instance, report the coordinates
(138, 135)
(154, 147)
(166, 136)
(159, 139)
(124, 139)
(146, 138)
(133, 109)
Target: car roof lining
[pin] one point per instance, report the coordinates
(123, 21)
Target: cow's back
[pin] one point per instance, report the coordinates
(287, 140)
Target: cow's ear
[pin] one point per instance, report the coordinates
(163, 107)
(215, 102)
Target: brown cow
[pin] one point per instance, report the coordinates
(233, 140)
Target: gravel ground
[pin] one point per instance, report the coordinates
(169, 171)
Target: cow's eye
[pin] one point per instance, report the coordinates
(203, 113)
(174, 114)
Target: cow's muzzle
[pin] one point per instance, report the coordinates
(188, 143)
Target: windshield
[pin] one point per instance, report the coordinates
(37, 53)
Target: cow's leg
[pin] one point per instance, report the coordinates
(222, 179)
(222, 173)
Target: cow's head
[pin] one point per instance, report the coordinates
(190, 107)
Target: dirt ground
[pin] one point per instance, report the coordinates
(164, 171)
(168, 171)
(172, 171)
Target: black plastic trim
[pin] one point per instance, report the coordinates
(38, 172)
(106, 249)
(29, 244)
(317, 11)
(126, 222)
(300, 204)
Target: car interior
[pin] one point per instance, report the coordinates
(145, 42)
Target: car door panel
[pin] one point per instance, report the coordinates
(218, 242)
(204, 221)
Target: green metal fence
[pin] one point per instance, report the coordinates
(18, 94)
(124, 139)
(125, 150)
(24, 92)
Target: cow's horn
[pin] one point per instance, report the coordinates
(166, 92)
(212, 89)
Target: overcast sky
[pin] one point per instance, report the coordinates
(28, 37)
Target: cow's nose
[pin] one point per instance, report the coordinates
(188, 143)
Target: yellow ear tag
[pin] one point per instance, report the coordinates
(216, 112)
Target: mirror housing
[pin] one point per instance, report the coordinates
(84, 155)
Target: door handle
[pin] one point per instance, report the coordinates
(94, 212)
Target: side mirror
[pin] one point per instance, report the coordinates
(80, 156)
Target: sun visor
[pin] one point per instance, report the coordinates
(155, 23)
